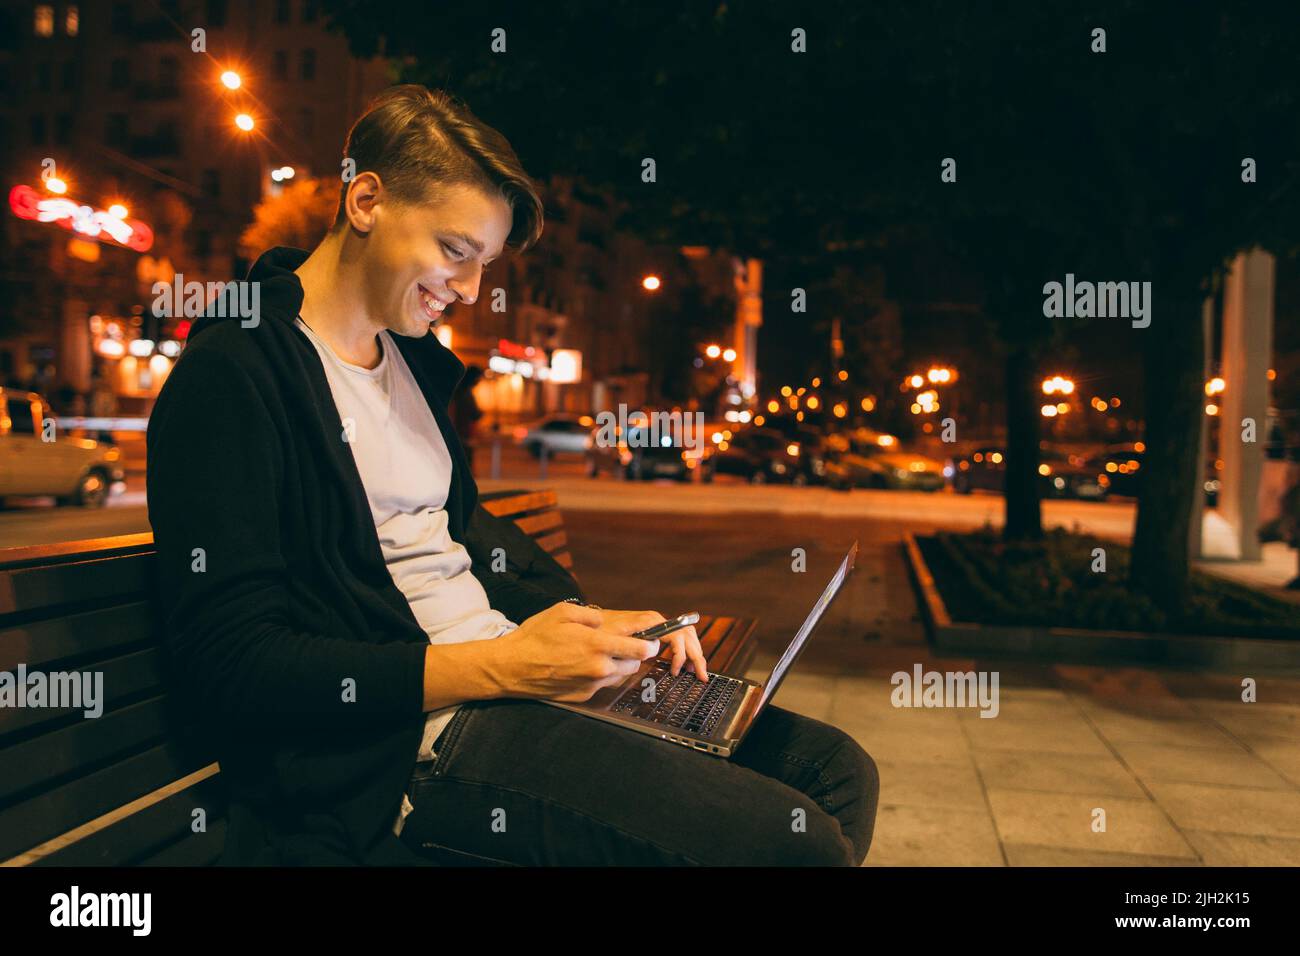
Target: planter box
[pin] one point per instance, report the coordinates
(1078, 645)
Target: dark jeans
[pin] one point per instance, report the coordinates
(519, 782)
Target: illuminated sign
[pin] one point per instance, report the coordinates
(98, 224)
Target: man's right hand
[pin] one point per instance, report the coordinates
(564, 654)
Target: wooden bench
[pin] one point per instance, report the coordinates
(121, 789)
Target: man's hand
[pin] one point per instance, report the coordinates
(567, 652)
(685, 642)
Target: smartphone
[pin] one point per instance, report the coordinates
(667, 627)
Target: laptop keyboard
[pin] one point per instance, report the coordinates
(683, 701)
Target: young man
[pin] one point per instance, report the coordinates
(372, 694)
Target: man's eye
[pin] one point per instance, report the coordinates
(453, 251)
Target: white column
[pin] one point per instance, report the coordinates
(1247, 348)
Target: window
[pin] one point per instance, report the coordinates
(37, 129)
(310, 10)
(210, 182)
(167, 139)
(203, 244)
(216, 13)
(168, 76)
(43, 24)
(309, 64)
(280, 65)
(306, 123)
(116, 130)
(68, 76)
(119, 74)
(63, 129)
(72, 20)
(20, 414)
(120, 21)
(41, 77)
(281, 11)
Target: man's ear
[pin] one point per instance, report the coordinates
(364, 196)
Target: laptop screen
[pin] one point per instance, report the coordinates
(823, 602)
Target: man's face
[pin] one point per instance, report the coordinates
(422, 257)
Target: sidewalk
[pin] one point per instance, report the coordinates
(1185, 772)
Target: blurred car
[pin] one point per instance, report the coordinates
(1119, 467)
(760, 455)
(865, 458)
(1062, 474)
(635, 457)
(73, 470)
(558, 434)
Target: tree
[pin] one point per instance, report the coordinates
(1116, 156)
(299, 217)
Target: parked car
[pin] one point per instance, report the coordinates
(865, 458)
(760, 455)
(635, 457)
(1062, 474)
(73, 470)
(558, 434)
(1119, 468)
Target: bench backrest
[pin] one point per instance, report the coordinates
(122, 788)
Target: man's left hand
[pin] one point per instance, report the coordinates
(685, 643)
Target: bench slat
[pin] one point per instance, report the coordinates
(553, 542)
(44, 643)
(86, 743)
(79, 581)
(544, 521)
(135, 674)
(518, 503)
(197, 849)
(159, 828)
(34, 821)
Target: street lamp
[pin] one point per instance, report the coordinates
(713, 351)
(729, 355)
(230, 80)
(244, 122)
(650, 283)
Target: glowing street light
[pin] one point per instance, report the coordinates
(650, 283)
(118, 210)
(56, 185)
(729, 355)
(1058, 385)
(230, 80)
(1215, 386)
(244, 122)
(713, 351)
(916, 381)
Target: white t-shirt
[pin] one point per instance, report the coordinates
(406, 470)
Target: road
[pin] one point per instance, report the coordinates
(36, 521)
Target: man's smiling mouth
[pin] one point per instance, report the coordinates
(432, 307)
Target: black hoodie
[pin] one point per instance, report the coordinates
(286, 636)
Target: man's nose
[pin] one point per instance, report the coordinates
(467, 291)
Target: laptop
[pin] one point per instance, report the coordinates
(710, 716)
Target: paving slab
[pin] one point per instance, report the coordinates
(1064, 820)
